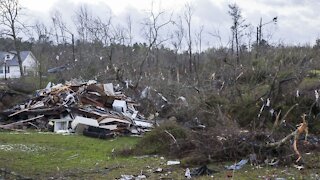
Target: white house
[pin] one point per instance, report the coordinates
(9, 66)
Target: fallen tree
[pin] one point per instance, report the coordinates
(301, 128)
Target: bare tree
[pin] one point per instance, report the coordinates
(235, 14)
(83, 20)
(129, 30)
(11, 26)
(41, 46)
(199, 47)
(188, 17)
(104, 32)
(216, 34)
(178, 34)
(120, 34)
(101, 30)
(60, 27)
(153, 25)
(176, 41)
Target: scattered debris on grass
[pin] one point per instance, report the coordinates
(187, 174)
(238, 165)
(169, 163)
(30, 148)
(202, 171)
(158, 170)
(131, 177)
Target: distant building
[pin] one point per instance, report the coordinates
(9, 66)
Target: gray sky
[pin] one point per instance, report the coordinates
(298, 20)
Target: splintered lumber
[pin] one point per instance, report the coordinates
(46, 111)
(87, 100)
(84, 112)
(282, 141)
(18, 112)
(57, 90)
(303, 127)
(96, 88)
(11, 125)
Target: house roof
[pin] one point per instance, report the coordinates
(14, 60)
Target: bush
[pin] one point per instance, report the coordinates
(158, 141)
(24, 85)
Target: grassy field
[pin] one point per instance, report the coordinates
(53, 156)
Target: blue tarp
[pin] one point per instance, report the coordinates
(237, 166)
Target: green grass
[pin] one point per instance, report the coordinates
(309, 83)
(48, 154)
(314, 73)
(45, 155)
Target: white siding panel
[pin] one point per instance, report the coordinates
(29, 63)
(14, 72)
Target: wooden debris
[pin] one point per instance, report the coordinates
(302, 128)
(11, 125)
(82, 100)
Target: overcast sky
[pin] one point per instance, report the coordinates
(298, 20)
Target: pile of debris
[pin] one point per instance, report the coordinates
(99, 110)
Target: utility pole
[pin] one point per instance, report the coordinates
(257, 42)
(73, 53)
(259, 33)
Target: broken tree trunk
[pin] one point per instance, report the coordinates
(302, 128)
(277, 121)
(174, 139)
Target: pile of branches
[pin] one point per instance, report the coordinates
(212, 144)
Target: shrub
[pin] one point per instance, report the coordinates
(159, 141)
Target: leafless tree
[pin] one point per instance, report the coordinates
(177, 35)
(60, 28)
(41, 46)
(120, 34)
(153, 25)
(10, 12)
(235, 13)
(188, 18)
(82, 22)
(129, 30)
(199, 47)
(61, 31)
(103, 31)
(216, 34)
(176, 41)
